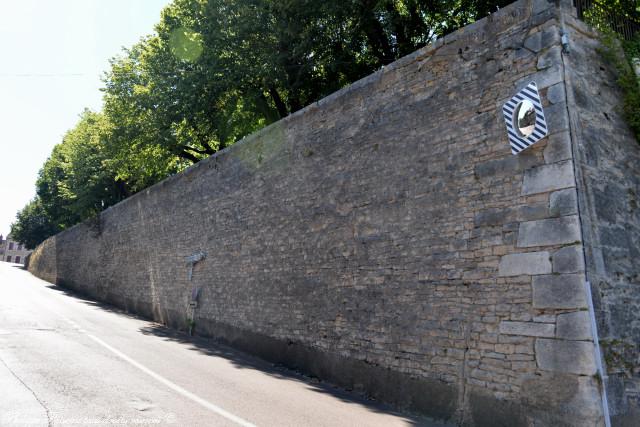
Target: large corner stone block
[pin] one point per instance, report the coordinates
(544, 79)
(556, 94)
(529, 329)
(574, 326)
(558, 147)
(559, 291)
(568, 260)
(541, 40)
(550, 177)
(550, 58)
(531, 263)
(556, 114)
(506, 166)
(549, 232)
(574, 357)
(563, 202)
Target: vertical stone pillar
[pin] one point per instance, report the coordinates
(550, 250)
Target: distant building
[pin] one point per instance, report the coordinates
(12, 251)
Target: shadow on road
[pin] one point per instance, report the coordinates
(213, 348)
(240, 359)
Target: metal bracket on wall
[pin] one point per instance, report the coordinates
(193, 260)
(195, 295)
(565, 42)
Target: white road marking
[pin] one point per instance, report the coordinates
(175, 387)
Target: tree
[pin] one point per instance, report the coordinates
(53, 191)
(33, 225)
(76, 182)
(90, 178)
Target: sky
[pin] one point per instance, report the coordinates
(52, 55)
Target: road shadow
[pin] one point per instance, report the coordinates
(85, 299)
(242, 360)
(211, 347)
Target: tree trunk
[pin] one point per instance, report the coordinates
(188, 156)
(375, 33)
(280, 105)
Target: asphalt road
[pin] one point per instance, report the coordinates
(65, 360)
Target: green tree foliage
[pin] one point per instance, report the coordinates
(33, 225)
(610, 17)
(213, 72)
(630, 84)
(76, 182)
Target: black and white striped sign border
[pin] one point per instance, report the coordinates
(530, 92)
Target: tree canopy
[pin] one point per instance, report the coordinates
(213, 72)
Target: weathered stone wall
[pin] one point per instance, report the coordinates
(43, 260)
(384, 238)
(608, 157)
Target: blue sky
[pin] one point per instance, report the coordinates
(52, 54)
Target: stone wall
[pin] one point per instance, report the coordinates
(608, 157)
(42, 261)
(384, 238)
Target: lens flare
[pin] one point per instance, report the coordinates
(186, 44)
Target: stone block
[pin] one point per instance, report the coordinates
(577, 397)
(506, 166)
(574, 326)
(530, 263)
(509, 215)
(534, 42)
(531, 212)
(563, 202)
(542, 39)
(529, 329)
(493, 217)
(545, 318)
(548, 232)
(574, 357)
(550, 58)
(558, 147)
(549, 177)
(544, 78)
(556, 114)
(569, 259)
(556, 93)
(559, 291)
(540, 6)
